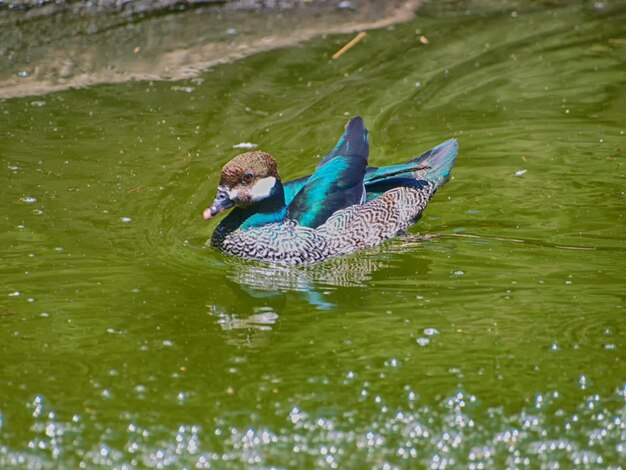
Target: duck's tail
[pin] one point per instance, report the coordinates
(437, 163)
(433, 166)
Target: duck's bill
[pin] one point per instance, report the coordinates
(220, 204)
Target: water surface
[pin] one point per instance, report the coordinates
(492, 335)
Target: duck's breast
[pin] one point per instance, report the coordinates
(286, 243)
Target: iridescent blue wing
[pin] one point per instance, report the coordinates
(337, 182)
(353, 142)
(334, 186)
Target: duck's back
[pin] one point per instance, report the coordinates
(370, 224)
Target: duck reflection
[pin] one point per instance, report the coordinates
(262, 319)
(245, 330)
(314, 283)
(261, 291)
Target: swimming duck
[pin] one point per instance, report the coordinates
(342, 207)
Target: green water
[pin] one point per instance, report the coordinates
(499, 340)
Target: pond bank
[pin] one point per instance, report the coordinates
(77, 44)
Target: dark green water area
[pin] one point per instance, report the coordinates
(491, 336)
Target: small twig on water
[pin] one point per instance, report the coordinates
(349, 45)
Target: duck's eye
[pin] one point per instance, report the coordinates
(247, 178)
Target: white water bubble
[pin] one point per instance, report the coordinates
(393, 362)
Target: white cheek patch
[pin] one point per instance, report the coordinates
(262, 188)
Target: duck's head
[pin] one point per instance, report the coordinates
(247, 179)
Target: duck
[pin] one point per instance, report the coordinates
(342, 207)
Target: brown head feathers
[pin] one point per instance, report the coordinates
(248, 167)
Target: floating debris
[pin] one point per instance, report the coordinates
(520, 172)
(186, 89)
(393, 363)
(353, 42)
(245, 145)
(617, 41)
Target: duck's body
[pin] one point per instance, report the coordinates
(344, 206)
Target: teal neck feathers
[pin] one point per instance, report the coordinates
(271, 209)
